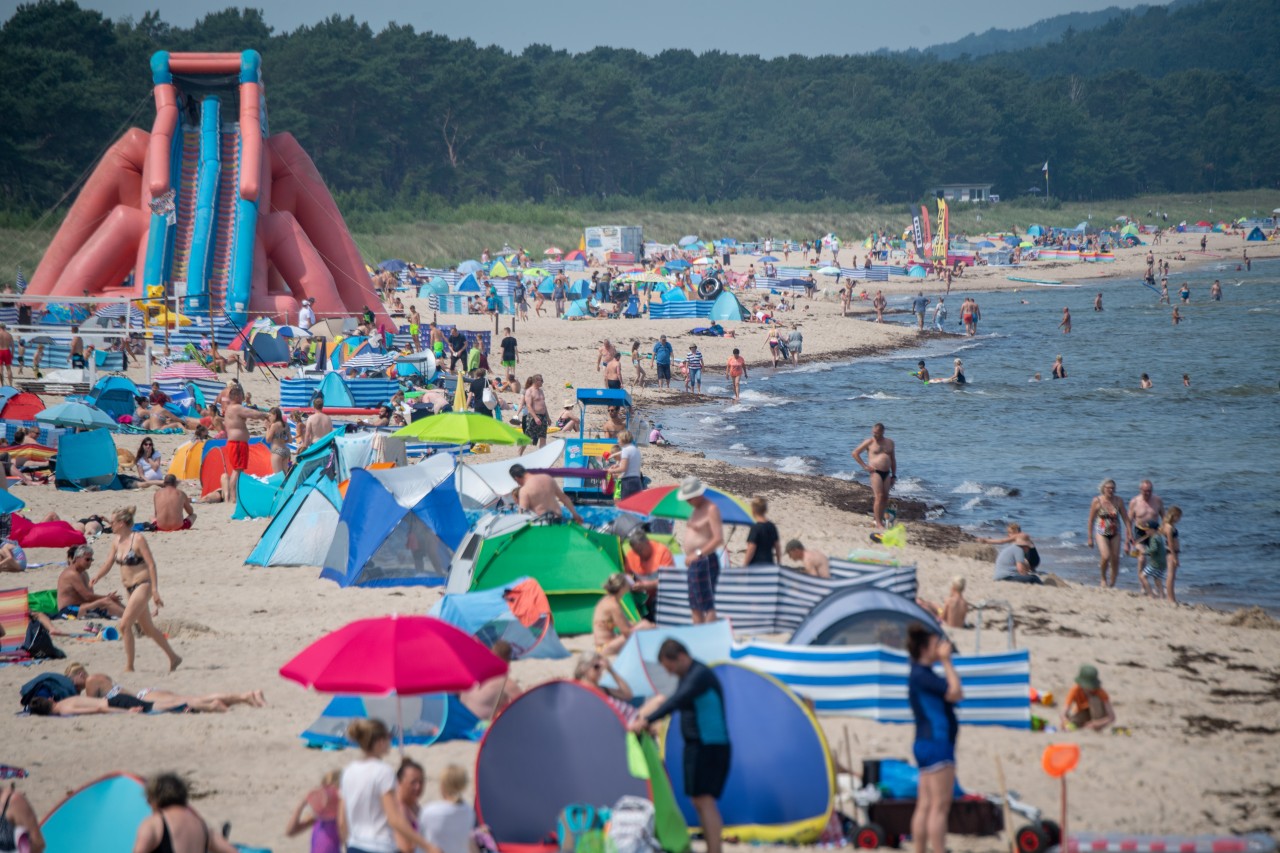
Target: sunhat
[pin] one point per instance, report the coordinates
(1087, 677)
(690, 488)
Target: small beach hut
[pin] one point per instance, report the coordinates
(782, 788)
(558, 744)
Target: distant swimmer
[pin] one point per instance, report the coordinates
(1248, 261)
(1065, 325)
(1059, 369)
(1185, 293)
(921, 372)
(1035, 377)
(1097, 302)
(1164, 292)
(1215, 291)
(956, 378)
(1177, 318)
(1186, 380)
(1145, 381)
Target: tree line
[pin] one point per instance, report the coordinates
(408, 120)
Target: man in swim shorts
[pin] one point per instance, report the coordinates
(882, 466)
(234, 419)
(6, 355)
(1145, 511)
(703, 536)
(173, 507)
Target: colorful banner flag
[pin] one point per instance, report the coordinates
(928, 238)
(941, 243)
(917, 235)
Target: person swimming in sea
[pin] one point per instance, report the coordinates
(921, 372)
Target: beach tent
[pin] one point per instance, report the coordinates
(256, 495)
(859, 617)
(484, 484)
(87, 460)
(1035, 231)
(336, 392)
(576, 308)
(216, 462)
(268, 347)
(18, 405)
(1255, 235)
(570, 562)
(427, 719)
(397, 527)
(727, 307)
(435, 287)
(563, 743)
(468, 284)
(781, 787)
(499, 270)
(115, 395)
(185, 464)
(638, 665)
(320, 455)
(108, 810)
(916, 271)
(519, 614)
(299, 533)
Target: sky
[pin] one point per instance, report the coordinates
(765, 27)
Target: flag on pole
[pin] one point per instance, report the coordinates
(21, 283)
(1045, 168)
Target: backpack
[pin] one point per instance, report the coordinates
(39, 644)
(631, 827)
(580, 828)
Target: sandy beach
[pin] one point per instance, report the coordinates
(1198, 689)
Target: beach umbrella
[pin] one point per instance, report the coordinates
(678, 264)
(768, 259)
(470, 267)
(703, 261)
(395, 656)
(188, 370)
(552, 250)
(76, 416)
(369, 360)
(459, 395)
(393, 265)
(829, 271)
(537, 272)
(663, 502)
(462, 428)
(688, 240)
(292, 332)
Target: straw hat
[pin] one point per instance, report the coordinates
(568, 404)
(690, 488)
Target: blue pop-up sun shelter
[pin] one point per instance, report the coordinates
(727, 307)
(115, 396)
(298, 535)
(87, 460)
(398, 527)
(427, 719)
(108, 810)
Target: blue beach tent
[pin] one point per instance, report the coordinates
(298, 535)
(727, 307)
(336, 392)
(108, 810)
(115, 395)
(87, 460)
(427, 720)
(398, 527)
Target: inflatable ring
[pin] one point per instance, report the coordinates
(709, 288)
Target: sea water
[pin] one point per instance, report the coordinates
(1007, 448)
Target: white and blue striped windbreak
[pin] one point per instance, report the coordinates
(770, 599)
(690, 310)
(871, 681)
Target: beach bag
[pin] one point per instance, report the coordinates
(631, 827)
(580, 828)
(39, 644)
(490, 399)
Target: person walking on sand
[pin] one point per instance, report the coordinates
(6, 355)
(879, 304)
(141, 584)
(707, 751)
(1065, 325)
(1107, 519)
(933, 699)
(882, 468)
(703, 537)
(637, 364)
(736, 371)
(536, 419)
(693, 363)
(234, 419)
(1146, 510)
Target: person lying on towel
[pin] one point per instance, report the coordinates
(715, 330)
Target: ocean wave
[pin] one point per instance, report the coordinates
(908, 486)
(972, 487)
(737, 408)
(762, 398)
(972, 503)
(814, 367)
(739, 447)
(710, 419)
(874, 395)
(793, 465)
(849, 476)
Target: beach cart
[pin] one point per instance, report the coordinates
(589, 453)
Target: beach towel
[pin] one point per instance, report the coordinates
(13, 617)
(130, 429)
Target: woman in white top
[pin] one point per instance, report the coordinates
(370, 816)
(149, 463)
(626, 467)
(449, 823)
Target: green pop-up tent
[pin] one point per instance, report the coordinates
(571, 564)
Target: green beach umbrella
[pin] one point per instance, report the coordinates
(462, 428)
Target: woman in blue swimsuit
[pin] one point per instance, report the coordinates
(933, 699)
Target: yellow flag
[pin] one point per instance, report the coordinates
(460, 396)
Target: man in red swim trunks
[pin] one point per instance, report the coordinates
(173, 507)
(234, 418)
(6, 355)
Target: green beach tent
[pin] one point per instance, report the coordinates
(570, 562)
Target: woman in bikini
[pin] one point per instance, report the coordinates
(278, 440)
(175, 827)
(610, 626)
(141, 582)
(1106, 520)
